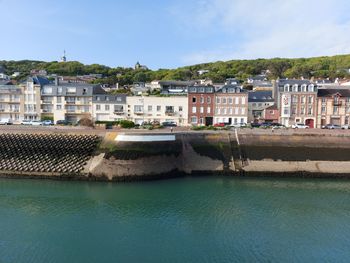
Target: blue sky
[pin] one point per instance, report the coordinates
(172, 33)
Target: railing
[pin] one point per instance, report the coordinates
(170, 112)
(337, 103)
(138, 112)
(119, 112)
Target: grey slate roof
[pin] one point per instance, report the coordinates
(283, 82)
(260, 96)
(81, 89)
(332, 92)
(110, 99)
(231, 89)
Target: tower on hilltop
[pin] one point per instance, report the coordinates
(64, 58)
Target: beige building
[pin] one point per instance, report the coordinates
(231, 105)
(160, 109)
(11, 103)
(333, 107)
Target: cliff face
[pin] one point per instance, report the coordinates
(93, 157)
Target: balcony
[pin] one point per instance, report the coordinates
(119, 112)
(337, 103)
(70, 102)
(138, 112)
(169, 112)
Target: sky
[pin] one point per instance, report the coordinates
(172, 33)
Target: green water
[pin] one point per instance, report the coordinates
(182, 220)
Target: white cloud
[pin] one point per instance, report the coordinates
(264, 29)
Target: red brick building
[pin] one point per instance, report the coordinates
(271, 114)
(201, 105)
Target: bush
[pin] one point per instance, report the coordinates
(86, 122)
(198, 128)
(108, 123)
(127, 124)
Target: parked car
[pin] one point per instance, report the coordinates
(277, 125)
(300, 126)
(169, 124)
(47, 122)
(332, 126)
(239, 125)
(255, 124)
(266, 125)
(62, 122)
(36, 123)
(25, 122)
(6, 122)
(220, 124)
(345, 127)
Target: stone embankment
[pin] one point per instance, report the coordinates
(112, 156)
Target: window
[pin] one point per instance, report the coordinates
(236, 111)
(335, 110)
(242, 111)
(294, 99)
(302, 110)
(243, 100)
(180, 108)
(159, 108)
(224, 111)
(346, 120)
(201, 121)
(149, 108)
(323, 100)
(286, 111)
(230, 100)
(347, 109)
(218, 100)
(310, 99)
(224, 100)
(194, 99)
(58, 107)
(59, 99)
(106, 107)
(236, 100)
(208, 110)
(138, 108)
(201, 110)
(242, 120)
(47, 90)
(208, 100)
(202, 100)
(294, 110)
(71, 90)
(194, 110)
(309, 110)
(194, 120)
(302, 99)
(323, 109)
(98, 107)
(119, 99)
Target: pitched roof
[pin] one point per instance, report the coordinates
(283, 82)
(332, 92)
(260, 96)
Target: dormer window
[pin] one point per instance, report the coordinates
(295, 88)
(286, 88)
(311, 88)
(303, 88)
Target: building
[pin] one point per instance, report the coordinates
(70, 102)
(109, 107)
(142, 109)
(231, 105)
(201, 105)
(297, 101)
(175, 87)
(11, 103)
(31, 90)
(258, 101)
(270, 114)
(333, 107)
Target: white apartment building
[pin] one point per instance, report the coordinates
(109, 107)
(149, 108)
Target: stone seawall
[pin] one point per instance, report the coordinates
(92, 157)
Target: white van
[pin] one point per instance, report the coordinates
(6, 122)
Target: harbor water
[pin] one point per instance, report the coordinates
(204, 219)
